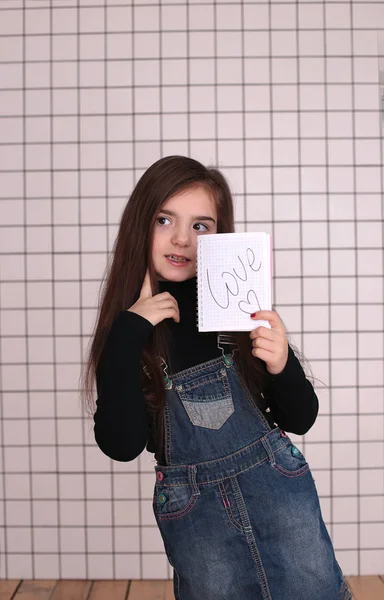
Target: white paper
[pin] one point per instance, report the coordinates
(234, 272)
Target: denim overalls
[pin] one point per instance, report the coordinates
(236, 503)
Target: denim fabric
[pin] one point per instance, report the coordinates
(236, 503)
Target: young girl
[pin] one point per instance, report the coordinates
(234, 499)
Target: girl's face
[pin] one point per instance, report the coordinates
(179, 222)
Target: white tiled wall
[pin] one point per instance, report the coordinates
(284, 97)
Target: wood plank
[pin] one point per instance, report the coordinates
(36, 589)
(147, 590)
(169, 595)
(369, 587)
(8, 588)
(72, 590)
(111, 590)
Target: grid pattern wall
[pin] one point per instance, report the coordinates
(285, 98)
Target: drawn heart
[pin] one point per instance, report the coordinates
(251, 305)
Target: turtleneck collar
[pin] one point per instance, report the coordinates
(179, 288)
(185, 294)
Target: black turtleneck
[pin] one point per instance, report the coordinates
(122, 430)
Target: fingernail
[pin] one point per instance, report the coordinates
(253, 315)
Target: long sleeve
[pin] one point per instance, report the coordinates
(120, 420)
(293, 402)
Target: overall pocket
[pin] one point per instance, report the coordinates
(290, 462)
(207, 399)
(173, 502)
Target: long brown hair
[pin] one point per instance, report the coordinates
(131, 259)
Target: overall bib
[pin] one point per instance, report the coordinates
(236, 502)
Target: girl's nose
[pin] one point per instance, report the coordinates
(181, 237)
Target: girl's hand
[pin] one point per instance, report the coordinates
(155, 308)
(270, 345)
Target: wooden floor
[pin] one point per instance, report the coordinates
(363, 588)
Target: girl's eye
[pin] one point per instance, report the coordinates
(201, 225)
(161, 220)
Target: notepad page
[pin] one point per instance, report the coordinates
(234, 280)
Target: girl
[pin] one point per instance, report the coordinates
(234, 499)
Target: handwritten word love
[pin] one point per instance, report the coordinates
(231, 285)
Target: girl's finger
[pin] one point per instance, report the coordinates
(271, 316)
(171, 313)
(264, 332)
(264, 344)
(167, 302)
(264, 355)
(164, 296)
(146, 288)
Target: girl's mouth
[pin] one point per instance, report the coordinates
(179, 261)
